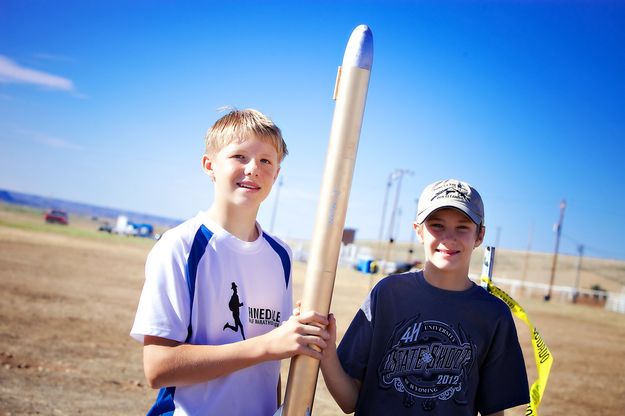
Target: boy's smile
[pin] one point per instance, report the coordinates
(448, 252)
(249, 185)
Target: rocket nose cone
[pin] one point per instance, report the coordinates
(359, 50)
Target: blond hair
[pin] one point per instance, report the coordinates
(238, 125)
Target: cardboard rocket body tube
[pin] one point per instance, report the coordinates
(350, 94)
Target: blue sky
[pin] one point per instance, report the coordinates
(107, 102)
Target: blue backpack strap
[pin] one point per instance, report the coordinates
(284, 257)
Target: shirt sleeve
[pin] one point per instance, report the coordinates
(503, 378)
(164, 305)
(354, 348)
(287, 308)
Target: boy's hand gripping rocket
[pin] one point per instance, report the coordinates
(350, 94)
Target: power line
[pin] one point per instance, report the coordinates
(596, 250)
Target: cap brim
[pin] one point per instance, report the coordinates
(422, 216)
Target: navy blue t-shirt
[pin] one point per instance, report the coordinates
(418, 349)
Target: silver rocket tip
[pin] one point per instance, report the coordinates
(359, 50)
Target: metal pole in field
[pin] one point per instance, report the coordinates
(580, 251)
(555, 253)
(350, 94)
(397, 224)
(391, 239)
(489, 264)
(378, 253)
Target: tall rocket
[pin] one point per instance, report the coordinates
(350, 94)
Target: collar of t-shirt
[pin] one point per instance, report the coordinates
(230, 240)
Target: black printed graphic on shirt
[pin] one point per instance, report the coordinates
(234, 306)
(264, 316)
(427, 361)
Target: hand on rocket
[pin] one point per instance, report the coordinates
(301, 334)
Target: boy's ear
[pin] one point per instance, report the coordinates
(418, 228)
(480, 236)
(277, 173)
(207, 166)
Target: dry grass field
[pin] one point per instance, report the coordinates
(69, 296)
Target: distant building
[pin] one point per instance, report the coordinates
(349, 236)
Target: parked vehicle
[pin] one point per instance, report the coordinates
(106, 227)
(125, 227)
(142, 230)
(56, 216)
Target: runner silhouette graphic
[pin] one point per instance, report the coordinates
(234, 306)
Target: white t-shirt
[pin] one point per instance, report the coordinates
(205, 286)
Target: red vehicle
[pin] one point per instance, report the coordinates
(56, 216)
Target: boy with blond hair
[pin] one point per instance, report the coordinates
(431, 342)
(216, 267)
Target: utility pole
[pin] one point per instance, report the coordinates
(389, 183)
(398, 222)
(555, 253)
(391, 240)
(275, 205)
(580, 252)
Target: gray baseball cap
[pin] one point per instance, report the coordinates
(451, 193)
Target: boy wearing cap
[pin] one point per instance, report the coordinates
(431, 342)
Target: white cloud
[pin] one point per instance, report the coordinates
(48, 140)
(52, 57)
(58, 143)
(11, 72)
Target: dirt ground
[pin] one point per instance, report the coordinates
(69, 297)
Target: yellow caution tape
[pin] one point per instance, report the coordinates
(542, 355)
